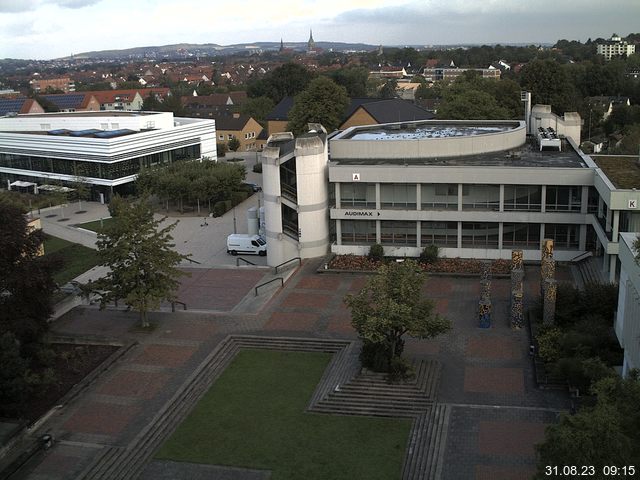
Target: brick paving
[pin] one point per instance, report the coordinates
(497, 416)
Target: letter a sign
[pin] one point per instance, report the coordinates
(356, 177)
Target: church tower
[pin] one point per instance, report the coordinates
(311, 44)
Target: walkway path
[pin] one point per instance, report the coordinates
(492, 413)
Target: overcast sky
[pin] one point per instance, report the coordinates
(44, 29)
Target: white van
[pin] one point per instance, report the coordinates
(245, 243)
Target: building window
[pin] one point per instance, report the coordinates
(220, 137)
(563, 236)
(481, 197)
(440, 196)
(290, 222)
(442, 234)
(522, 198)
(400, 196)
(358, 232)
(230, 136)
(358, 195)
(563, 199)
(521, 235)
(480, 235)
(394, 232)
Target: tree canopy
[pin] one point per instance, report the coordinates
(141, 259)
(285, 81)
(391, 305)
(550, 84)
(605, 434)
(321, 102)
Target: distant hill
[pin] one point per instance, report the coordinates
(182, 50)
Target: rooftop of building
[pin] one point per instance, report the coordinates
(527, 155)
(623, 172)
(416, 131)
(102, 113)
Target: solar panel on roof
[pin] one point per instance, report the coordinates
(12, 105)
(66, 101)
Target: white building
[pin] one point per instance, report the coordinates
(627, 324)
(476, 189)
(106, 149)
(615, 47)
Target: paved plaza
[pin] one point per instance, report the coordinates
(497, 413)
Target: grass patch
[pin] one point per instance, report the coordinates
(253, 417)
(96, 225)
(74, 259)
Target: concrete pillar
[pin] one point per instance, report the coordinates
(543, 201)
(418, 234)
(418, 198)
(338, 194)
(608, 221)
(612, 268)
(459, 198)
(338, 232)
(582, 241)
(378, 232)
(500, 233)
(501, 206)
(459, 234)
(584, 205)
(541, 233)
(378, 198)
(616, 225)
(600, 206)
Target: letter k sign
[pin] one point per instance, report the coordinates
(633, 203)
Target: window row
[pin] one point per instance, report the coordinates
(445, 196)
(445, 234)
(104, 170)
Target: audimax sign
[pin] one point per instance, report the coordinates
(360, 213)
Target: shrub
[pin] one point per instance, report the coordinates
(257, 168)
(376, 253)
(221, 149)
(219, 208)
(400, 369)
(429, 254)
(375, 356)
(549, 344)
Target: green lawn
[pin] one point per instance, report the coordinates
(74, 259)
(96, 224)
(253, 417)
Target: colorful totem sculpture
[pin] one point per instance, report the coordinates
(517, 291)
(484, 306)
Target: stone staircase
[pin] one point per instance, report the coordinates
(341, 390)
(426, 444)
(591, 271)
(370, 393)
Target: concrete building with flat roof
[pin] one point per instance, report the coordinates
(476, 189)
(104, 149)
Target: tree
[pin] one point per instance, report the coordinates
(258, 108)
(233, 144)
(602, 435)
(285, 81)
(549, 84)
(388, 90)
(354, 79)
(471, 105)
(390, 306)
(322, 102)
(140, 256)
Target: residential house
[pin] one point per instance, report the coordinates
(127, 100)
(435, 74)
(242, 127)
(41, 84)
(74, 102)
(615, 47)
(19, 106)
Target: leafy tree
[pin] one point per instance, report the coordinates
(391, 305)
(258, 108)
(388, 90)
(285, 81)
(233, 144)
(141, 259)
(354, 79)
(606, 434)
(550, 84)
(467, 104)
(630, 143)
(322, 102)
(26, 283)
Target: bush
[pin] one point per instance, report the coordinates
(429, 254)
(257, 168)
(376, 253)
(219, 208)
(400, 369)
(221, 149)
(375, 356)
